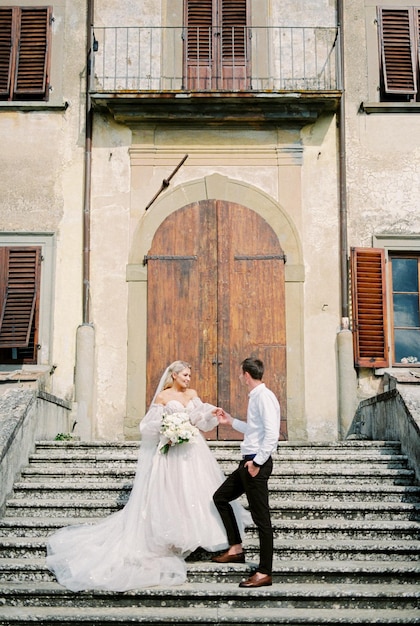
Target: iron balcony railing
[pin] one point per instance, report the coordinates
(259, 59)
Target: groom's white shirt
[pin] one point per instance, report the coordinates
(262, 426)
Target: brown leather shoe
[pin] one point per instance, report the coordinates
(229, 558)
(257, 580)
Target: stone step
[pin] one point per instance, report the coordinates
(340, 491)
(325, 524)
(325, 471)
(340, 474)
(221, 614)
(130, 457)
(347, 447)
(28, 528)
(280, 596)
(342, 529)
(284, 571)
(378, 510)
(34, 546)
(233, 451)
(106, 454)
(365, 452)
(59, 503)
(307, 492)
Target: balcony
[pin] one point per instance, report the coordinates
(240, 73)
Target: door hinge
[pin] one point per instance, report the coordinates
(168, 257)
(259, 257)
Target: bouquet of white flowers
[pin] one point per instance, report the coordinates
(176, 428)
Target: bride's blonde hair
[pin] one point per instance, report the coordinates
(174, 368)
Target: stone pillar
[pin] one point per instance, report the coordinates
(347, 380)
(84, 380)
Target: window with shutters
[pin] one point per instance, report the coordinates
(369, 309)
(405, 290)
(25, 41)
(385, 280)
(216, 47)
(398, 35)
(19, 303)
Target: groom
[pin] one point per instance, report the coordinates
(261, 433)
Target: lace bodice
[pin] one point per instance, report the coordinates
(175, 405)
(200, 415)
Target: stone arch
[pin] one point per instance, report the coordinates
(216, 186)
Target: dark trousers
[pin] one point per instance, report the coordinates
(256, 489)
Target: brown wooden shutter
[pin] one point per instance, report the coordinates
(33, 51)
(19, 294)
(397, 31)
(417, 26)
(199, 19)
(24, 52)
(369, 307)
(234, 29)
(6, 22)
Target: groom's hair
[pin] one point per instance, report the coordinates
(254, 367)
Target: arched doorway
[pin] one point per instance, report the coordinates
(215, 295)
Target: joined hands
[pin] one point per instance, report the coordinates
(222, 416)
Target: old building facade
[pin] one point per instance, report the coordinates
(204, 180)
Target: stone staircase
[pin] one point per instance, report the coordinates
(347, 541)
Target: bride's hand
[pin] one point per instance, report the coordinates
(223, 417)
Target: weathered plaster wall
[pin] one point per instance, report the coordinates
(129, 12)
(41, 187)
(320, 228)
(41, 190)
(302, 12)
(296, 169)
(382, 149)
(109, 258)
(284, 12)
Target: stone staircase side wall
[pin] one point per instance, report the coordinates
(392, 416)
(26, 415)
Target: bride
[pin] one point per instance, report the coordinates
(170, 512)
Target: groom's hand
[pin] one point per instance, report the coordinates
(223, 417)
(252, 469)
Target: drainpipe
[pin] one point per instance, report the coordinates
(85, 337)
(342, 177)
(347, 381)
(88, 164)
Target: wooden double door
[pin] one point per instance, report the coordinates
(216, 296)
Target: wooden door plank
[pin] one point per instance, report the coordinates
(251, 304)
(181, 299)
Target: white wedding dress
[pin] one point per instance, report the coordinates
(170, 513)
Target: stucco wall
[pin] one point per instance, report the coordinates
(295, 168)
(382, 151)
(110, 221)
(41, 186)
